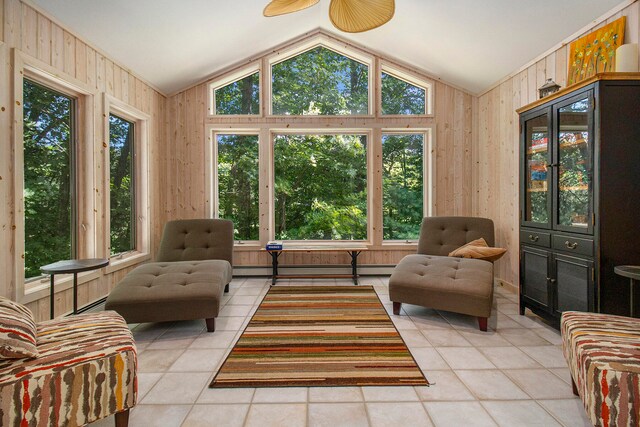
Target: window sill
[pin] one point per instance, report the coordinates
(399, 244)
(123, 261)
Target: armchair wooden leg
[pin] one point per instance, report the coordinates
(122, 418)
(396, 308)
(211, 324)
(482, 323)
(226, 288)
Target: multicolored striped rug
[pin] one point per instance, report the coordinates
(319, 336)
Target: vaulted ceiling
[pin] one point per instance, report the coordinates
(470, 43)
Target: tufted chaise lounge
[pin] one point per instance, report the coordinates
(432, 279)
(194, 266)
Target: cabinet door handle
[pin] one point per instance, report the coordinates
(533, 238)
(570, 245)
(552, 281)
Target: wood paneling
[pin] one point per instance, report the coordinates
(186, 169)
(36, 35)
(496, 188)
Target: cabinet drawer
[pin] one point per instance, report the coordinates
(535, 238)
(573, 245)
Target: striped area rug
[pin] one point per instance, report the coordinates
(313, 336)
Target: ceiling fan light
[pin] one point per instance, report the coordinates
(281, 7)
(356, 16)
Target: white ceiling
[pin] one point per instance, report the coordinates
(470, 43)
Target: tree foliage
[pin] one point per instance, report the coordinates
(402, 185)
(48, 180)
(239, 97)
(321, 187)
(321, 82)
(238, 193)
(121, 185)
(401, 97)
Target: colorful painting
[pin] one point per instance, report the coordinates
(595, 52)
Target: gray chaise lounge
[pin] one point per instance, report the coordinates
(432, 279)
(193, 267)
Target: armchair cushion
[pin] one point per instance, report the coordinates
(444, 234)
(17, 331)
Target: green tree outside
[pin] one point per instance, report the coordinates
(48, 176)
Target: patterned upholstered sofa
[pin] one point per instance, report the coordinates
(85, 370)
(603, 353)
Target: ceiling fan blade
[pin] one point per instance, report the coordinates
(281, 7)
(356, 16)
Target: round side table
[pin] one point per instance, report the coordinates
(633, 273)
(74, 266)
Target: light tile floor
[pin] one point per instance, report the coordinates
(513, 375)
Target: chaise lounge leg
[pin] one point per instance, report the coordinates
(575, 387)
(482, 323)
(122, 418)
(226, 288)
(396, 308)
(211, 324)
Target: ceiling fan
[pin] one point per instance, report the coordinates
(351, 16)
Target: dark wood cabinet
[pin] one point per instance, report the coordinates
(580, 196)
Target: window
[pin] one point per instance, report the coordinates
(49, 177)
(403, 185)
(237, 178)
(320, 187)
(399, 97)
(121, 185)
(320, 82)
(239, 97)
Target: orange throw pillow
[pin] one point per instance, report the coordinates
(479, 249)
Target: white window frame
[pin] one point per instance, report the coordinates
(232, 77)
(86, 230)
(411, 78)
(428, 174)
(211, 155)
(112, 105)
(320, 40)
(370, 186)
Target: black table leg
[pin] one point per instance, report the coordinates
(354, 265)
(75, 293)
(51, 296)
(274, 266)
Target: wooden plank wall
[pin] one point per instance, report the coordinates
(496, 184)
(186, 167)
(31, 31)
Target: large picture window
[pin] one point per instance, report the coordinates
(49, 177)
(320, 82)
(402, 185)
(122, 185)
(237, 178)
(320, 187)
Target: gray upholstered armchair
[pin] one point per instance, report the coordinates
(432, 279)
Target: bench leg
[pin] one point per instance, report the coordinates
(396, 308)
(122, 418)
(575, 387)
(211, 324)
(482, 323)
(226, 288)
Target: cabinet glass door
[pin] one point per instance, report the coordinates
(574, 166)
(536, 179)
